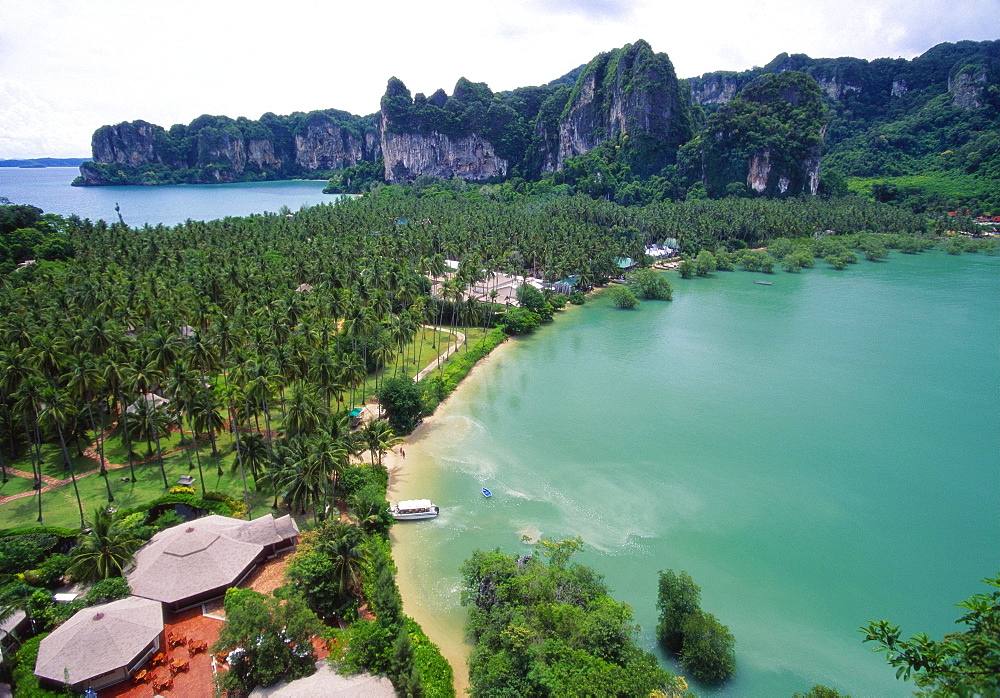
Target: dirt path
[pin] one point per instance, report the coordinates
(90, 452)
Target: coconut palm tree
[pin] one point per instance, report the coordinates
(152, 420)
(341, 543)
(59, 411)
(104, 551)
(83, 380)
(379, 437)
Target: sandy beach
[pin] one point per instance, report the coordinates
(406, 476)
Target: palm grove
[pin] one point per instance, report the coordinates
(233, 350)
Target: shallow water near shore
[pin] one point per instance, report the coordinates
(816, 453)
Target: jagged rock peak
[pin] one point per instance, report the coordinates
(632, 91)
(428, 137)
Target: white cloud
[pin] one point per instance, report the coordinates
(81, 65)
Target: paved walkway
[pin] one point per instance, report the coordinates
(452, 348)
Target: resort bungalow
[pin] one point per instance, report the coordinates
(10, 632)
(197, 561)
(566, 286)
(101, 645)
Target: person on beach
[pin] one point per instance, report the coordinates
(402, 453)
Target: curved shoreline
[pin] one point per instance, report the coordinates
(405, 475)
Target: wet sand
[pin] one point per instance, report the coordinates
(407, 478)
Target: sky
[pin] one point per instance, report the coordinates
(68, 67)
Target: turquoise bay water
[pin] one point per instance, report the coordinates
(815, 453)
(49, 189)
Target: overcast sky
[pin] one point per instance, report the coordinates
(67, 67)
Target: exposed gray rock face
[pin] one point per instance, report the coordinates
(759, 170)
(548, 157)
(718, 89)
(408, 155)
(899, 88)
(630, 91)
(124, 144)
(967, 88)
(835, 89)
(325, 146)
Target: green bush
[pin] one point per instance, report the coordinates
(107, 590)
(709, 651)
(21, 552)
(705, 646)
(436, 674)
(50, 572)
(622, 297)
(577, 298)
(518, 321)
(26, 684)
(356, 478)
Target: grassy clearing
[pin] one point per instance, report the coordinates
(59, 507)
(945, 190)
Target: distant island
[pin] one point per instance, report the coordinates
(921, 133)
(43, 162)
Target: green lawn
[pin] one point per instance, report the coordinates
(59, 506)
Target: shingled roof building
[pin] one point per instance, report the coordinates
(196, 561)
(101, 645)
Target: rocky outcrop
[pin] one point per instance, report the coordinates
(759, 170)
(414, 141)
(836, 88)
(632, 92)
(715, 88)
(786, 111)
(408, 155)
(125, 144)
(219, 149)
(323, 145)
(967, 88)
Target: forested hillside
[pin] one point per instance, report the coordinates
(922, 133)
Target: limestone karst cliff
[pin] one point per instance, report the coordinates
(622, 117)
(767, 139)
(442, 137)
(218, 149)
(629, 91)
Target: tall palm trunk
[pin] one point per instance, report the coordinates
(36, 465)
(197, 453)
(159, 456)
(123, 416)
(72, 474)
(239, 458)
(100, 453)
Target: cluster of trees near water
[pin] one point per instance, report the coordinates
(264, 331)
(546, 626)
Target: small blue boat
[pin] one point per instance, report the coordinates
(487, 493)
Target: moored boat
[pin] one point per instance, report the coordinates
(413, 509)
(763, 283)
(487, 493)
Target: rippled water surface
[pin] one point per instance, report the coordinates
(816, 453)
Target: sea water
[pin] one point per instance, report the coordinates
(815, 453)
(49, 189)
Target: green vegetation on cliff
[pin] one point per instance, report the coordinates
(774, 127)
